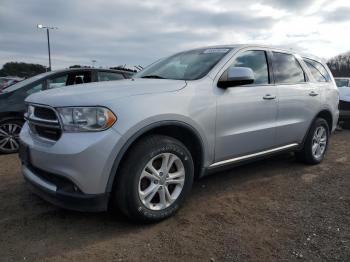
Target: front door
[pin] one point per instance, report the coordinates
(246, 115)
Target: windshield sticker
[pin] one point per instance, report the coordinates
(216, 50)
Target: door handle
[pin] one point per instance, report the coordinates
(269, 97)
(313, 93)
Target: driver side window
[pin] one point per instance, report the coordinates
(257, 61)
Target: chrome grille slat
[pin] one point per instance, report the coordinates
(33, 118)
(43, 124)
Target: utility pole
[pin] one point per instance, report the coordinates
(48, 40)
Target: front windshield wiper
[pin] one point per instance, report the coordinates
(153, 76)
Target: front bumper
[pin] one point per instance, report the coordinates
(74, 201)
(74, 171)
(86, 159)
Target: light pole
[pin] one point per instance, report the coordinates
(93, 63)
(48, 39)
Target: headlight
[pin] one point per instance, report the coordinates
(86, 118)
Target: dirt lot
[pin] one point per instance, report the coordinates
(276, 209)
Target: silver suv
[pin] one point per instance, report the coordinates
(138, 144)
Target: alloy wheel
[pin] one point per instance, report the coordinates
(9, 137)
(161, 181)
(319, 142)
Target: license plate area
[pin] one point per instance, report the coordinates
(24, 154)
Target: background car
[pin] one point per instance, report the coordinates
(12, 98)
(343, 84)
(9, 81)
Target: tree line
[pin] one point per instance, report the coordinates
(25, 70)
(339, 65)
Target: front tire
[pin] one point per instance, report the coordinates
(316, 143)
(155, 178)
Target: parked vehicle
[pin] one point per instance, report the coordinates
(8, 81)
(185, 116)
(343, 84)
(12, 106)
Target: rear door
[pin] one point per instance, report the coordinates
(246, 115)
(298, 98)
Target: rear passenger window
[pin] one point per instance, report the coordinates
(34, 89)
(109, 76)
(317, 70)
(79, 77)
(287, 69)
(255, 60)
(57, 81)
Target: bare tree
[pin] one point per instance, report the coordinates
(340, 65)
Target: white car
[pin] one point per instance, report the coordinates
(343, 84)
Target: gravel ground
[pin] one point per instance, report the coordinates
(275, 209)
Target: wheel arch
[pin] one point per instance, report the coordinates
(11, 115)
(182, 131)
(326, 115)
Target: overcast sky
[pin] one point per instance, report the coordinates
(134, 32)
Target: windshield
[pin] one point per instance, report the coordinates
(342, 82)
(25, 82)
(188, 65)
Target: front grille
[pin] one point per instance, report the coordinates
(44, 123)
(48, 132)
(45, 113)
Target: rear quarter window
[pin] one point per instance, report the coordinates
(317, 70)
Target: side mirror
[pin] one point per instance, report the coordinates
(236, 76)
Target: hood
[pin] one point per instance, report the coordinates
(99, 93)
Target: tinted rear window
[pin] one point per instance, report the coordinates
(109, 76)
(318, 71)
(287, 69)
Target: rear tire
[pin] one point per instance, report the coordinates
(316, 143)
(9, 135)
(155, 178)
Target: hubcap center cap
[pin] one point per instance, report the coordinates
(162, 180)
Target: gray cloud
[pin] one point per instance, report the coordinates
(341, 14)
(127, 31)
(289, 4)
(221, 20)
